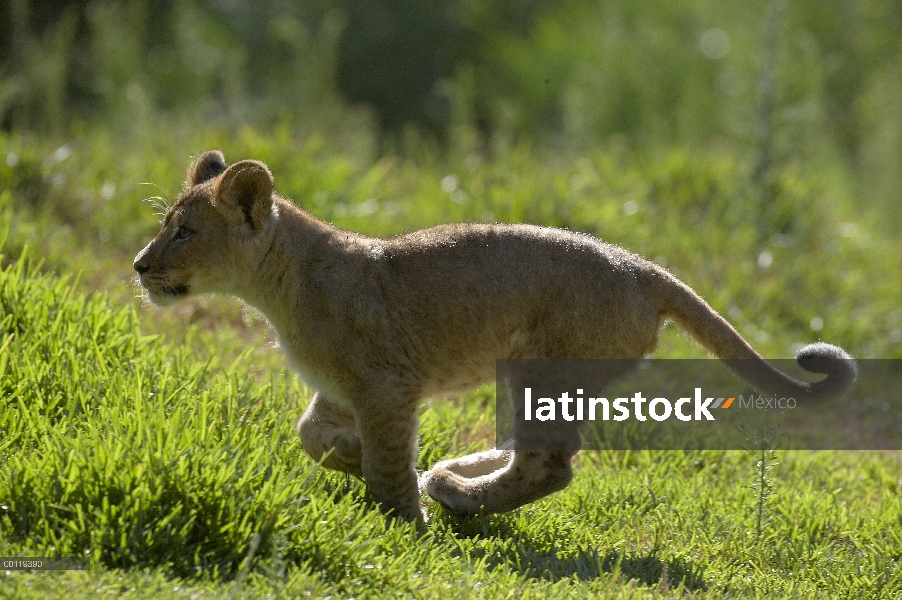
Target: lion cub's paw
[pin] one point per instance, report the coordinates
(343, 454)
(456, 494)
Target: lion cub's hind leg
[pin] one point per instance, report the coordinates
(530, 475)
(539, 464)
(329, 430)
(477, 464)
(501, 480)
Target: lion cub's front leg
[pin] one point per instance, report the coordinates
(380, 448)
(388, 462)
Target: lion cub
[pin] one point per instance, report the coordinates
(375, 325)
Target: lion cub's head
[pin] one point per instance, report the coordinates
(211, 233)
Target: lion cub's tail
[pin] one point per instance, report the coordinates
(690, 312)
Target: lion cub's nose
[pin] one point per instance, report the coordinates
(140, 267)
(141, 263)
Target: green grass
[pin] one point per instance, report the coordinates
(161, 445)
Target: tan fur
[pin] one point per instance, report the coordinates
(375, 325)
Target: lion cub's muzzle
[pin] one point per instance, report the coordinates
(158, 289)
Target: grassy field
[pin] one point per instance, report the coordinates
(160, 444)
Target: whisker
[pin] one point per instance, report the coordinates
(161, 208)
(161, 203)
(158, 203)
(155, 185)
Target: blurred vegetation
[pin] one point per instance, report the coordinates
(809, 82)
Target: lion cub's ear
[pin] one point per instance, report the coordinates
(207, 166)
(244, 192)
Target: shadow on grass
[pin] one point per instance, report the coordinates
(535, 559)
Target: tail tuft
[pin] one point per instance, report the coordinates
(839, 366)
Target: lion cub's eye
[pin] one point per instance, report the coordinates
(182, 233)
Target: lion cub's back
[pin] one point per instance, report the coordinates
(520, 291)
